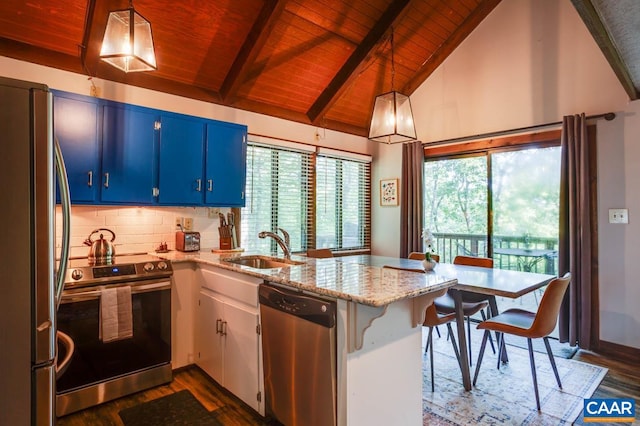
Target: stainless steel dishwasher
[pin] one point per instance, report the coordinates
(299, 355)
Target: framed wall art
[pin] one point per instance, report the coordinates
(389, 192)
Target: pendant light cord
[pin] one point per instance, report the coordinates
(393, 65)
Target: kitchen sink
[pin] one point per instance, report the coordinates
(262, 262)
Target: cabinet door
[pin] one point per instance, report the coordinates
(129, 155)
(181, 161)
(75, 124)
(225, 164)
(241, 359)
(209, 347)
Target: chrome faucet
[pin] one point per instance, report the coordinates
(285, 244)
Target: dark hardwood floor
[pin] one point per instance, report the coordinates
(621, 381)
(229, 409)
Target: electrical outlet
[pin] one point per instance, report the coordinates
(188, 223)
(212, 213)
(179, 222)
(618, 216)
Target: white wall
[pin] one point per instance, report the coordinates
(531, 62)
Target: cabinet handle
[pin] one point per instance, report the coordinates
(90, 181)
(199, 188)
(210, 181)
(218, 326)
(223, 331)
(106, 180)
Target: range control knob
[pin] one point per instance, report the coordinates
(162, 265)
(148, 267)
(76, 274)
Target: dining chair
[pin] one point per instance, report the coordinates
(433, 319)
(418, 255)
(472, 303)
(323, 253)
(532, 325)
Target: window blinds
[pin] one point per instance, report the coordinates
(321, 200)
(279, 194)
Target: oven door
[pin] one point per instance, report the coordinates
(94, 361)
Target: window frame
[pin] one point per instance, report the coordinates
(486, 148)
(309, 240)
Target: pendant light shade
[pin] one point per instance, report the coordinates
(127, 43)
(392, 117)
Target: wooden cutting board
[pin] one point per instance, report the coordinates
(235, 250)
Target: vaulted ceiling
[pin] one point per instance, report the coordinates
(320, 62)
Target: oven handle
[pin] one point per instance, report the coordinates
(95, 294)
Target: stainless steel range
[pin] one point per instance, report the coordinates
(119, 317)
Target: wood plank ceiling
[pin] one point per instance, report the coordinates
(319, 62)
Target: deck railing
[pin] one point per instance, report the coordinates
(449, 246)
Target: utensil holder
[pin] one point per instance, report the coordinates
(226, 243)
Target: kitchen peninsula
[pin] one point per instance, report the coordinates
(379, 326)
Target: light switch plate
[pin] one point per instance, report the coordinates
(188, 224)
(618, 216)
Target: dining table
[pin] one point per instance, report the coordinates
(472, 279)
(487, 281)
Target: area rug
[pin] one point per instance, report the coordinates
(180, 408)
(561, 350)
(505, 396)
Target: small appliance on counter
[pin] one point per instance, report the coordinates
(187, 241)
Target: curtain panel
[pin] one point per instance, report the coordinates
(576, 232)
(411, 208)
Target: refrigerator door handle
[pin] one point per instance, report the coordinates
(65, 202)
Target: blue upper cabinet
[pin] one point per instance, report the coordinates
(181, 160)
(75, 123)
(226, 165)
(129, 153)
(117, 153)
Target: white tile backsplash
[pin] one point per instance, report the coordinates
(137, 229)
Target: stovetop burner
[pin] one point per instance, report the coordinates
(128, 267)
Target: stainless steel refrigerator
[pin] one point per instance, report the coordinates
(31, 279)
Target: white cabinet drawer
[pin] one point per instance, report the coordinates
(239, 287)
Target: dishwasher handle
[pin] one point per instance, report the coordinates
(318, 311)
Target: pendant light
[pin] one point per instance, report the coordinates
(127, 43)
(392, 118)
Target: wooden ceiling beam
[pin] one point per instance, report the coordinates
(299, 117)
(257, 37)
(457, 37)
(357, 61)
(598, 31)
(149, 80)
(38, 55)
(94, 27)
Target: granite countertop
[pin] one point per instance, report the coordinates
(356, 278)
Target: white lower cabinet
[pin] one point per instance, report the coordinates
(227, 334)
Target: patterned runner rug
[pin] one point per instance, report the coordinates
(505, 396)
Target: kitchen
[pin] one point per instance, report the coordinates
(472, 106)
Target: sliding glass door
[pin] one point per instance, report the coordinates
(502, 204)
(455, 198)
